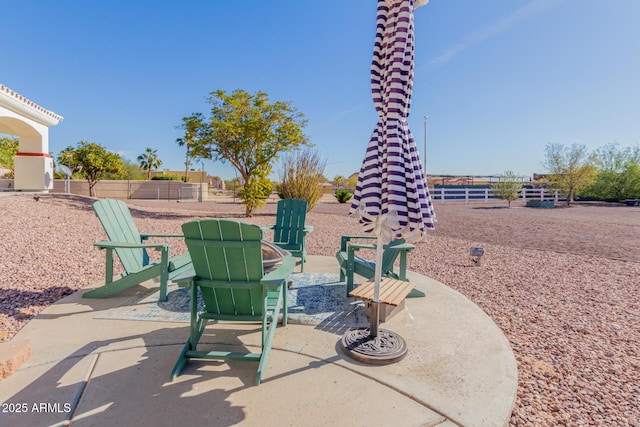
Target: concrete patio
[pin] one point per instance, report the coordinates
(84, 370)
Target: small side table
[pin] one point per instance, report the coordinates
(392, 294)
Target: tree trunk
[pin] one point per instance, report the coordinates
(247, 200)
(186, 164)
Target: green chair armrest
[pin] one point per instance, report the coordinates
(347, 238)
(307, 229)
(179, 261)
(356, 246)
(265, 228)
(398, 247)
(281, 273)
(145, 236)
(186, 279)
(403, 247)
(104, 244)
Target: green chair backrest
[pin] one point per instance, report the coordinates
(290, 219)
(115, 217)
(389, 255)
(227, 260)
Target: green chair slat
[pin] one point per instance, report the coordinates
(289, 231)
(351, 264)
(227, 263)
(118, 224)
(179, 262)
(119, 227)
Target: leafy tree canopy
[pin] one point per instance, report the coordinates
(8, 150)
(92, 161)
(130, 170)
(149, 160)
(508, 186)
(618, 173)
(571, 169)
(249, 132)
(339, 180)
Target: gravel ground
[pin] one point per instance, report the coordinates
(563, 284)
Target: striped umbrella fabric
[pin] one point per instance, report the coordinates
(392, 197)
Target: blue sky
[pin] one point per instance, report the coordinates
(497, 79)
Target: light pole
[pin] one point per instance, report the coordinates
(424, 161)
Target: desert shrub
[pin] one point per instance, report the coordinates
(342, 195)
(301, 176)
(255, 193)
(618, 175)
(508, 187)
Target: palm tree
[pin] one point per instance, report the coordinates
(149, 160)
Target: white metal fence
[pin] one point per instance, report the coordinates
(467, 195)
(175, 190)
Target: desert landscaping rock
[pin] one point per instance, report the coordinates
(563, 284)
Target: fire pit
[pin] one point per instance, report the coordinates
(272, 255)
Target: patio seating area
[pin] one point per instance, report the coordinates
(90, 369)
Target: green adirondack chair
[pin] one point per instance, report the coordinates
(290, 231)
(128, 243)
(351, 264)
(227, 261)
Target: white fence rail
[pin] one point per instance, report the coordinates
(485, 194)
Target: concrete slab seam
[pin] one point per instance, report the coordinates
(85, 383)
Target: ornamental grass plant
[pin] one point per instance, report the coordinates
(301, 176)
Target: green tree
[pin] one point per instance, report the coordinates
(249, 132)
(301, 176)
(92, 161)
(507, 187)
(339, 181)
(130, 170)
(618, 173)
(8, 150)
(352, 182)
(342, 195)
(571, 169)
(196, 139)
(149, 160)
(256, 192)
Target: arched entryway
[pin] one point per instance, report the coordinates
(33, 165)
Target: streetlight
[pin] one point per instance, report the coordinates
(424, 161)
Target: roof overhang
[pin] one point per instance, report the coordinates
(20, 105)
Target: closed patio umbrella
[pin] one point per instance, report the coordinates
(391, 198)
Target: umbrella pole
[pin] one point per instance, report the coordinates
(373, 345)
(375, 304)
